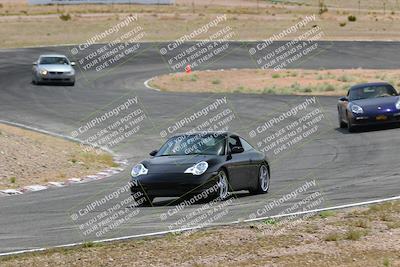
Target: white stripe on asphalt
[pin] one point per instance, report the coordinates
(57, 134)
(146, 83)
(198, 227)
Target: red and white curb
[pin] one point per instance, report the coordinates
(98, 176)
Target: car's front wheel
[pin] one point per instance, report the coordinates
(141, 199)
(34, 80)
(263, 180)
(350, 126)
(342, 124)
(223, 185)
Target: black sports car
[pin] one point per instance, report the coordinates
(367, 104)
(190, 163)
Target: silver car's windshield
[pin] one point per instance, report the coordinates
(53, 60)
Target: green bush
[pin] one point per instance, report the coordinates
(345, 78)
(270, 91)
(65, 17)
(194, 78)
(352, 18)
(270, 222)
(306, 90)
(326, 213)
(322, 8)
(355, 234)
(332, 237)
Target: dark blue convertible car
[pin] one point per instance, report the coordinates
(368, 104)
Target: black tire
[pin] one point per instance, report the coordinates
(148, 202)
(263, 180)
(342, 124)
(71, 84)
(143, 201)
(223, 185)
(35, 81)
(350, 126)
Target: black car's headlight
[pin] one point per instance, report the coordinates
(198, 168)
(356, 109)
(138, 170)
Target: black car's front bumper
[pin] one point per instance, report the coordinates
(173, 184)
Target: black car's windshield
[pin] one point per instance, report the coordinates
(53, 60)
(194, 144)
(372, 92)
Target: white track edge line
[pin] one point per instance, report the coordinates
(148, 86)
(199, 227)
(57, 135)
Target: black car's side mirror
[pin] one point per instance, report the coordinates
(344, 99)
(237, 150)
(34, 63)
(153, 153)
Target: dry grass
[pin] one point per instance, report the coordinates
(294, 81)
(333, 241)
(24, 25)
(29, 158)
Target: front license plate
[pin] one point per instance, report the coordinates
(381, 118)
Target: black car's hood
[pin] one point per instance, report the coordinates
(371, 104)
(175, 164)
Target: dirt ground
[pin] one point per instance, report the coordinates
(295, 81)
(25, 25)
(29, 158)
(357, 237)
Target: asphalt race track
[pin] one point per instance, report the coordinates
(348, 168)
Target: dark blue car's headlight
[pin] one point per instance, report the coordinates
(398, 104)
(356, 109)
(138, 170)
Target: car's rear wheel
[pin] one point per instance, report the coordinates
(263, 180)
(223, 185)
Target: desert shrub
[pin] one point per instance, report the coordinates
(65, 17)
(352, 18)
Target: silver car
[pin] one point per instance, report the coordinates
(53, 69)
